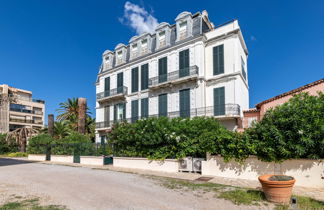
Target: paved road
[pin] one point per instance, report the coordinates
(86, 188)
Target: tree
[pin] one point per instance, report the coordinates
(61, 129)
(68, 110)
(21, 135)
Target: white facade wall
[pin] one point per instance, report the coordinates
(201, 89)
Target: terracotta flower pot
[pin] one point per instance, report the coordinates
(276, 191)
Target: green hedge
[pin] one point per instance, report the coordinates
(7, 147)
(292, 130)
(39, 144)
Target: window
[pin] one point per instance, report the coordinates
(107, 59)
(144, 76)
(106, 115)
(219, 101)
(183, 30)
(144, 46)
(144, 108)
(107, 87)
(134, 80)
(119, 112)
(119, 57)
(218, 59)
(134, 50)
(163, 69)
(134, 111)
(120, 82)
(184, 103)
(162, 39)
(163, 105)
(184, 63)
(243, 68)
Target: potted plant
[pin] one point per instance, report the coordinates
(277, 188)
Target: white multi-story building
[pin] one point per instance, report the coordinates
(187, 69)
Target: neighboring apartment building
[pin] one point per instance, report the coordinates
(256, 114)
(187, 69)
(18, 109)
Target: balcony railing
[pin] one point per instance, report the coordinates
(222, 111)
(117, 92)
(185, 73)
(26, 121)
(27, 111)
(28, 99)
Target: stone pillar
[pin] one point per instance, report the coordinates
(82, 103)
(51, 125)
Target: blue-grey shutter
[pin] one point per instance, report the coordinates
(163, 105)
(163, 69)
(134, 110)
(134, 79)
(107, 114)
(219, 101)
(144, 77)
(107, 86)
(144, 108)
(120, 82)
(184, 63)
(124, 111)
(115, 112)
(184, 103)
(218, 59)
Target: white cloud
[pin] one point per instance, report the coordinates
(138, 18)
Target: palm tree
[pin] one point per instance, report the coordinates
(69, 110)
(21, 135)
(61, 129)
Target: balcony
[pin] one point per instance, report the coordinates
(226, 111)
(27, 99)
(26, 111)
(113, 94)
(26, 121)
(175, 77)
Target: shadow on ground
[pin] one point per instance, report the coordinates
(10, 161)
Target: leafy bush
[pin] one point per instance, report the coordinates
(17, 154)
(39, 144)
(7, 147)
(292, 130)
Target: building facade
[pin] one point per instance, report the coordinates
(257, 113)
(18, 109)
(187, 69)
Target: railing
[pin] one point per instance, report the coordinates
(226, 110)
(26, 121)
(28, 99)
(175, 75)
(27, 111)
(114, 92)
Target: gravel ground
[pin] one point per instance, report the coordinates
(86, 188)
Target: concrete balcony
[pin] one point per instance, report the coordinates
(24, 121)
(114, 94)
(175, 77)
(26, 111)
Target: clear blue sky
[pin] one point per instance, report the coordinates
(54, 47)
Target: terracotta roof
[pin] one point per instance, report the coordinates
(251, 110)
(291, 92)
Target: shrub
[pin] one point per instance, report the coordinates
(292, 130)
(17, 154)
(7, 146)
(39, 144)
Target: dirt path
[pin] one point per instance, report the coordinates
(85, 188)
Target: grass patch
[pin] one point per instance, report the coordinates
(243, 196)
(17, 154)
(29, 204)
(304, 203)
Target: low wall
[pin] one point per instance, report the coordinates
(37, 157)
(92, 160)
(308, 173)
(168, 165)
(62, 158)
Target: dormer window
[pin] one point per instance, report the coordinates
(162, 40)
(144, 47)
(183, 30)
(107, 60)
(134, 50)
(119, 57)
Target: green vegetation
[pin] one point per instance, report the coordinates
(7, 146)
(39, 144)
(32, 204)
(243, 196)
(17, 154)
(304, 203)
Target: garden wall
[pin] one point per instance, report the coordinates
(308, 173)
(37, 157)
(62, 158)
(168, 165)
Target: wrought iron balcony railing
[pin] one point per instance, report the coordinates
(221, 111)
(174, 76)
(119, 91)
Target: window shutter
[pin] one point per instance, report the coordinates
(124, 111)
(144, 77)
(184, 103)
(218, 59)
(107, 114)
(120, 82)
(134, 110)
(163, 105)
(219, 101)
(144, 108)
(134, 79)
(163, 65)
(115, 112)
(184, 63)
(107, 86)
